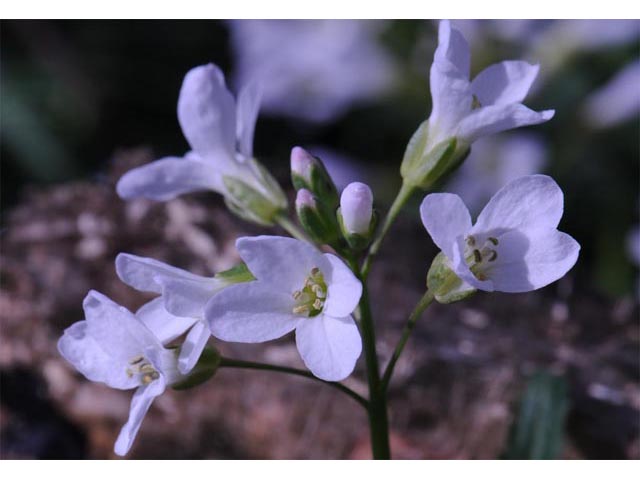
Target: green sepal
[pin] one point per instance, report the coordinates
(423, 169)
(356, 241)
(319, 223)
(238, 274)
(206, 368)
(446, 286)
(319, 182)
(249, 204)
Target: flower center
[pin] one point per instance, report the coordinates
(478, 257)
(311, 297)
(141, 367)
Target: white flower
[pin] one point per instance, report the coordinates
(491, 103)
(356, 208)
(514, 245)
(297, 288)
(617, 101)
(183, 296)
(220, 133)
(312, 69)
(115, 347)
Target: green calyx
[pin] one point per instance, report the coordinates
(446, 286)
(238, 274)
(258, 205)
(319, 223)
(356, 241)
(206, 368)
(424, 165)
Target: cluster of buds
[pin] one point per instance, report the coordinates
(326, 220)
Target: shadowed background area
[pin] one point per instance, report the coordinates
(553, 373)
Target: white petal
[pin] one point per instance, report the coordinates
(329, 346)
(206, 112)
(120, 334)
(193, 346)
(86, 355)
(187, 298)
(165, 326)
(498, 118)
(529, 203)
(449, 82)
(504, 83)
(185, 294)
(140, 403)
(168, 178)
(446, 218)
(247, 114)
(344, 289)
(281, 261)
(528, 263)
(251, 312)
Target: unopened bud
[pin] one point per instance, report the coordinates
(356, 207)
(317, 220)
(309, 172)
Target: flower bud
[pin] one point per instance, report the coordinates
(317, 220)
(309, 172)
(356, 207)
(356, 217)
(205, 368)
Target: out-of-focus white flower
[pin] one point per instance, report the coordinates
(514, 245)
(494, 162)
(297, 288)
(312, 69)
(561, 39)
(617, 101)
(220, 130)
(115, 347)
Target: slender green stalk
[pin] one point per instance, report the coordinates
(378, 422)
(398, 204)
(424, 302)
(232, 363)
(293, 229)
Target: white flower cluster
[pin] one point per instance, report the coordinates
(289, 284)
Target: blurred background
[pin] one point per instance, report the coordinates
(547, 374)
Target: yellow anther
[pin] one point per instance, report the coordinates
(471, 241)
(493, 240)
(477, 256)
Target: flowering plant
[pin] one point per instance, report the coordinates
(316, 283)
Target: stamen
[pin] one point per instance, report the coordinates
(492, 255)
(136, 360)
(477, 256)
(493, 240)
(310, 298)
(475, 103)
(471, 241)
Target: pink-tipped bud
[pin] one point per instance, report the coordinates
(301, 163)
(356, 208)
(304, 198)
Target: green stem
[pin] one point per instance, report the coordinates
(232, 363)
(378, 422)
(424, 302)
(293, 229)
(398, 204)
